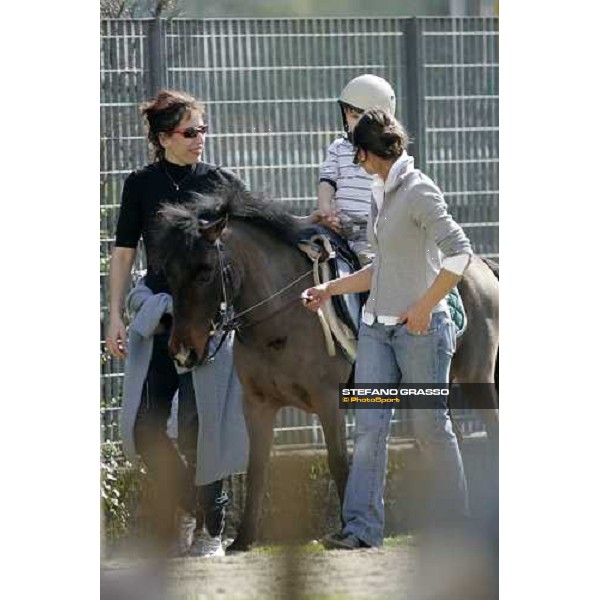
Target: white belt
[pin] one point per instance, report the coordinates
(370, 318)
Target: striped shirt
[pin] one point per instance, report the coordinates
(352, 184)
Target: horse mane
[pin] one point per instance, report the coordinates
(260, 210)
(177, 231)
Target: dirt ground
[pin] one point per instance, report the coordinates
(450, 566)
(373, 574)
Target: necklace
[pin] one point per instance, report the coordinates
(177, 185)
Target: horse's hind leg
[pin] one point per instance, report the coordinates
(484, 398)
(334, 428)
(456, 427)
(260, 418)
(475, 371)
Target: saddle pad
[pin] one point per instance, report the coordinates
(457, 311)
(347, 307)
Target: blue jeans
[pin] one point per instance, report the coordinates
(390, 355)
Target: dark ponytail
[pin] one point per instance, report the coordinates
(378, 131)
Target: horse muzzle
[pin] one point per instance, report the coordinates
(186, 358)
(187, 355)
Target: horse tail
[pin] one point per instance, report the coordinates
(497, 372)
(493, 266)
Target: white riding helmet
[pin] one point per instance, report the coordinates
(369, 91)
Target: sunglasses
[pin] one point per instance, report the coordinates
(192, 132)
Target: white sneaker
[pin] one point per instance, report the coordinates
(204, 545)
(185, 537)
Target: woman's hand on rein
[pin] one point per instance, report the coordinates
(314, 297)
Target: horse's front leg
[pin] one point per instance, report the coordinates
(260, 418)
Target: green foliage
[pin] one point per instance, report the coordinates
(116, 485)
(319, 468)
(312, 8)
(104, 265)
(115, 9)
(398, 541)
(396, 463)
(279, 550)
(110, 403)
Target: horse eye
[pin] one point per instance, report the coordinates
(204, 275)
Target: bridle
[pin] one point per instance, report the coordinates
(227, 319)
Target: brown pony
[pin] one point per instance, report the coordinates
(239, 250)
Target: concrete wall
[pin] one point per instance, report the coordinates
(301, 502)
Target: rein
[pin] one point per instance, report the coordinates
(227, 320)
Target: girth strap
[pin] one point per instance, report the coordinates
(331, 324)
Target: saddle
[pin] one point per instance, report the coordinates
(332, 257)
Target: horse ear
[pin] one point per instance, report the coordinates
(211, 230)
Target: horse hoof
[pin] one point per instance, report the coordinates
(238, 546)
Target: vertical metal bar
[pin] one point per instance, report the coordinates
(274, 122)
(255, 144)
(414, 96)
(186, 42)
(262, 144)
(315, 430)
(293, 86)
(156, 71)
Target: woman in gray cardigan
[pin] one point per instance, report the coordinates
(406, 335)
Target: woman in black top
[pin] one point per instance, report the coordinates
(176, 131)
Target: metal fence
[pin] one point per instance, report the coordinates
(270, 86)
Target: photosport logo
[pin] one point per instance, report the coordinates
(417, 395)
